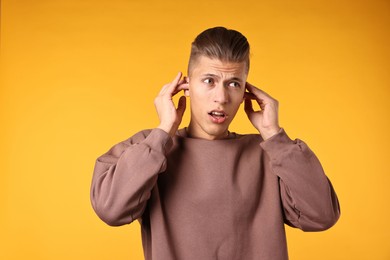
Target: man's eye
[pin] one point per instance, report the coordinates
(208, 81)
(234, 84)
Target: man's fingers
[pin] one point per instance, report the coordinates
(183, 86)
(182, 80)
(170, 88)
(260, 94)
(248, 95)
(248, 106)
(177, 78)
(174, 83)
(164, 88)
(181, 106)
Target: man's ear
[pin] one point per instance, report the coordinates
(187, 91)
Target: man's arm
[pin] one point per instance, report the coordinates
(170, 116)
(265, 120)
(308, 198)
(124, 176)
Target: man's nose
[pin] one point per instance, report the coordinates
(221, 94)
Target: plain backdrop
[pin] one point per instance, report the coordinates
(78, 76)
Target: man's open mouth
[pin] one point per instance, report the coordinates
(218, 116)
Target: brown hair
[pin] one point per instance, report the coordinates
(220, 43)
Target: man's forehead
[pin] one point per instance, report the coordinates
(205, 65)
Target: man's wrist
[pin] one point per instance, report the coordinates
(268, 133)
(166, 129)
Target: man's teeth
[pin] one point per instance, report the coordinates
(214, 113)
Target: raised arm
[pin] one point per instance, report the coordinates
(124, 177)
(308, 199)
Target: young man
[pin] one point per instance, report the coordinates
(203, 192)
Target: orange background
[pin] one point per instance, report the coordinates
(79, 76)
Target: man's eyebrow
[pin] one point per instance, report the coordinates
(216, 76)
(236, 79)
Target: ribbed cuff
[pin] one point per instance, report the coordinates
(159, 140)
(276, 142)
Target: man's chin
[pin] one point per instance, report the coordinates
(209, 130)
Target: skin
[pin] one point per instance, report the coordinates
(214, 85)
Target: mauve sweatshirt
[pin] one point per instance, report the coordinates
(224, 199)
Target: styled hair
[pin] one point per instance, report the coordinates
(220, 43)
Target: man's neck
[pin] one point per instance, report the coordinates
(197, 132)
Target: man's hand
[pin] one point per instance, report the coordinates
(266, 119)
(170, 117)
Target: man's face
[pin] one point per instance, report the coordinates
(216, 90)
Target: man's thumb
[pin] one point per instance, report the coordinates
(181, 107)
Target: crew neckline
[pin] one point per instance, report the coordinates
(183, 133)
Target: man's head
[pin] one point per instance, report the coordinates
(219, 43)
(217, 73)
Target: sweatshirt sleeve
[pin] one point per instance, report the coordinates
(124, 176)
(308, 198)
